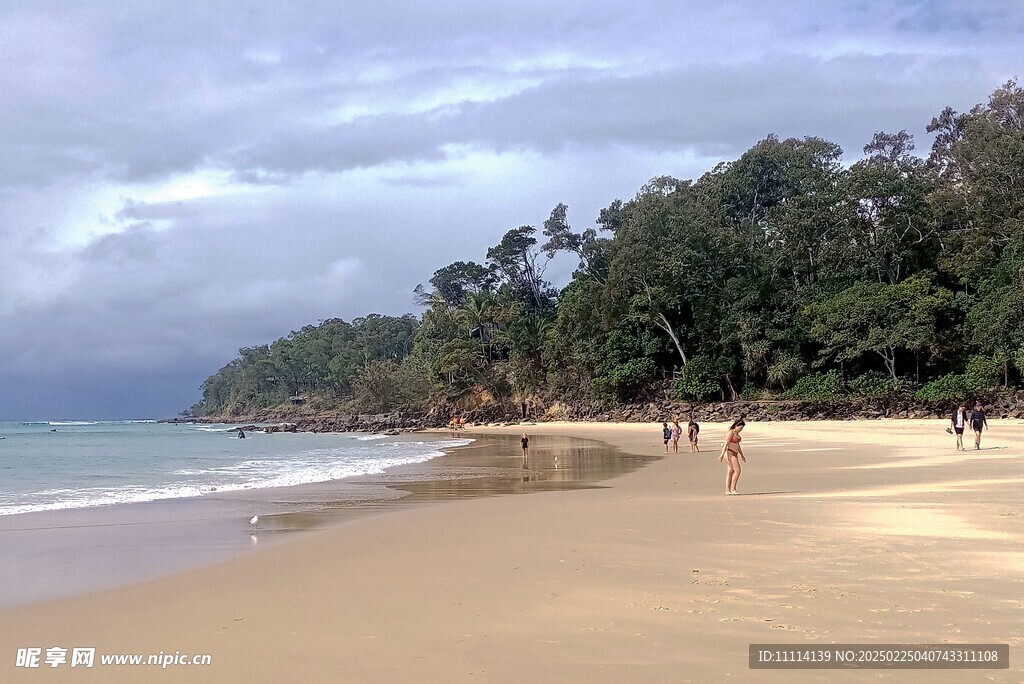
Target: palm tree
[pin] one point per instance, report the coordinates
(477, 315)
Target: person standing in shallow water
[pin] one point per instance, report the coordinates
(732, 453)
(978, 423)
(525, 443)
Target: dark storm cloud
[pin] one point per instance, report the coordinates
(715, 110)
(147, 90)
(183, 179)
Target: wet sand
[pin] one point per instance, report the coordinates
(54, 554)
(860, 532)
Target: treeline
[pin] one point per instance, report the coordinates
(782, 273)
(324, 360)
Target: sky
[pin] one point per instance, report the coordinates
(182, 179)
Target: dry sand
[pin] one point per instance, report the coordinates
(853, 532)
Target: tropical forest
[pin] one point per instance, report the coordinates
(784, 274)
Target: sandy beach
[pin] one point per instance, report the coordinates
(852, 532)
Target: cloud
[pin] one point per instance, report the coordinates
(183, 180)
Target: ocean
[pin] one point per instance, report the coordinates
(58, 465)
(88, 505)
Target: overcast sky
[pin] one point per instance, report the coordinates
(180, 179)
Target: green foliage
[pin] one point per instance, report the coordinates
(873, 385)
(322, 359)
(766, 266)
(698, 380)
(623, 379)
(951, 387)
(817, 387)
(785, 369)
(982, 373)
(386, 385)
(879, 318)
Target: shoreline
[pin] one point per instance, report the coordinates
(848, 533)
(179, 534)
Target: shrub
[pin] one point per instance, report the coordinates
(698, 380)
(982, 373)
(818, 387)
(386, 385)
(873, 385)
(784, 369)
(624, 379)
(948, 387)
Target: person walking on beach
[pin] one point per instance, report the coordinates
(525, 443)
(978, 423)
(677, 432)
(666, 435)
(692, 430)
(958, 422)
(732, 451)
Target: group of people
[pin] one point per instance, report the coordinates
(961, 418)
(674, 433)
(732, 452)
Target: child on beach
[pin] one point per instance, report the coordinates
(692, 430)
(677, 432)
(666, 434)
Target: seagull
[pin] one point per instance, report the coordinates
(253, 520)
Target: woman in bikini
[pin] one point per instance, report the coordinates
(732, 451)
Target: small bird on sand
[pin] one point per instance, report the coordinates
(253, 520)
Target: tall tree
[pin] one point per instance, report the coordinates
(522, 266)
(880, 319)
(892, 233)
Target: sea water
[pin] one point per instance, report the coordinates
(55, 465)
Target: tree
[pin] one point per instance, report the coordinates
(453, 283)
(995, 320)
(591, 250)
(477, 317)
(979, 161)
(521, 267)
(656, 263)
(879, 318)
(386, 385)
(891, 227)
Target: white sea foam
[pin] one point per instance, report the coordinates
(305, 467)
(370, 438)
(73, 422)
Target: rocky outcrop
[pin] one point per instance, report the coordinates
(998, 405)
(1005, 405)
